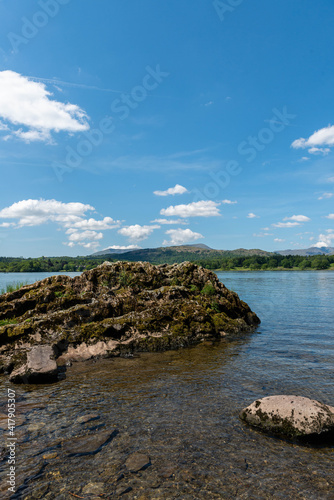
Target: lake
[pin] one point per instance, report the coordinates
(181, 408)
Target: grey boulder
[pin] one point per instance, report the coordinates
(292, 417)
(40, 367)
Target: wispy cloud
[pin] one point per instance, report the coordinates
(286, 224)
(169, 221)
(298, 218)
(252, 216)
(177, 189)
(229, 202)
(55, 81)
(123, 247)
(319, 151)
(174, 162)
(326, 196)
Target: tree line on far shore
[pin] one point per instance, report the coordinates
(214, 262)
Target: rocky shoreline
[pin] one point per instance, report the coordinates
(112, 310)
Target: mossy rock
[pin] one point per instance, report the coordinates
(138, 305)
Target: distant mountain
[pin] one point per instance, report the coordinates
(109, 251)
(198, 250)
(177, 253)
(308, 251)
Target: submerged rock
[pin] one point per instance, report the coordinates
(115, 309)
(88, 444)
(137, 461)
(292, 417)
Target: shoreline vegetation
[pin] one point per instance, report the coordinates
(213, 262)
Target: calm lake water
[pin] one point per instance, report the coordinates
(181, 408)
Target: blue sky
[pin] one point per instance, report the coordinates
(126, 123)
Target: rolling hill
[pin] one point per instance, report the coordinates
(178, 253)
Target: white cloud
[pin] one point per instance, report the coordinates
(326, 196)
(94, 225)
(304, 158)
(229, 202)
(330, 179)
(77, 237)
(298, 218)
(122, 247)
(262, 235)
(195, 209)
(325, 240)
(322, 137)
(278, 240)
(177, 189)
(3, 126)
(7, 224)
(286, 224)
(320, 244)
(86, 239)
(169, 221)
(319, 151)
(71, 216)
(252, 216)
(36, 212)
(181, 236)
(26, 103)
(330, 216)
(137, 232)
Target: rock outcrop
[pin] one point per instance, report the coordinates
(114, 309)
(292, 417)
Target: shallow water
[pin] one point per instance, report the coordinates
(27, 278)
(181, 409)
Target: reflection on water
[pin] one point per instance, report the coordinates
(181, 409)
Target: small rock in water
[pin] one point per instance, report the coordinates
(137, 461)
(50, 456)
(122, 490)
(291, 417)
(88, 418)
(93, 489)
(88, 444)
(36, 427)
(168, 470)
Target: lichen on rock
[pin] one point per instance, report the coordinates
(292, 417)
(119, 308)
